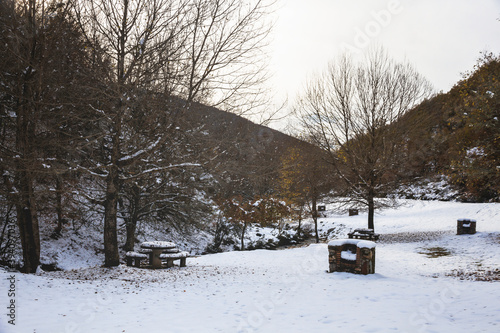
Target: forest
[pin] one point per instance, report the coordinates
(121, 114)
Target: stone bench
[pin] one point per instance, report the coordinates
(171, 257)
(136, 257)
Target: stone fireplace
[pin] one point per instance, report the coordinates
(351, 255)
(466, 226)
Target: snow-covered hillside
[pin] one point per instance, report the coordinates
(428, 279)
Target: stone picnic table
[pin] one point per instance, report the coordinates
(157, 248)
(156, 251)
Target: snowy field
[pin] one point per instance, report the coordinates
(427, 279)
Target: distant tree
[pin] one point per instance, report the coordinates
(425, 152)
(69, 83)
(243, 212)
(351, 111)
(304, 180)
(270, 211)
(172, 198)
(238, 211)
(292, 187)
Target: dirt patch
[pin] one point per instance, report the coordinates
(435, 252)
(479, 275)
(141, 275)
(414, 237)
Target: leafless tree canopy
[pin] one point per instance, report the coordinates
(352, 110)
(226, 39)
(351, 100)
(201, 50)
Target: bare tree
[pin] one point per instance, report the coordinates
(131, 39)
(160, 50)
(352, 112)
(304, 180)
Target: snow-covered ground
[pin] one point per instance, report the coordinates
(414, 288)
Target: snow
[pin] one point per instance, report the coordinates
(439, 188)
(340, 242)
(358, 242)
(178, 255)
(141, 151)
(348, 255)
(287, 290)
(136, 255)
(466, 220)
(366, 245)
(157, 244)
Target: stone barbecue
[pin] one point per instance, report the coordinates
(353, 212)
(351, 255)
(466, 226)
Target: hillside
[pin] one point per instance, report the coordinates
(457, 134)
(240, 149)
(237, 157)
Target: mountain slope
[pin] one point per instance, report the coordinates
(458, 133)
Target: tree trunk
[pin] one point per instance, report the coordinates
(243, 236)
(131, 223)
(130, 226)
(59, 205)
(28, 224)
(315, 218)
(26, 110)
(371, 211)
(299, 227)
(111, 255)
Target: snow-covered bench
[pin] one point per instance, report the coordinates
(136, 257)
(171, 257)
(367, 234)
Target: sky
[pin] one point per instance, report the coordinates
(441, 38)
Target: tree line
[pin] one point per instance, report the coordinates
(93, 98)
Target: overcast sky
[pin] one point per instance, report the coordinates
(441, 38)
